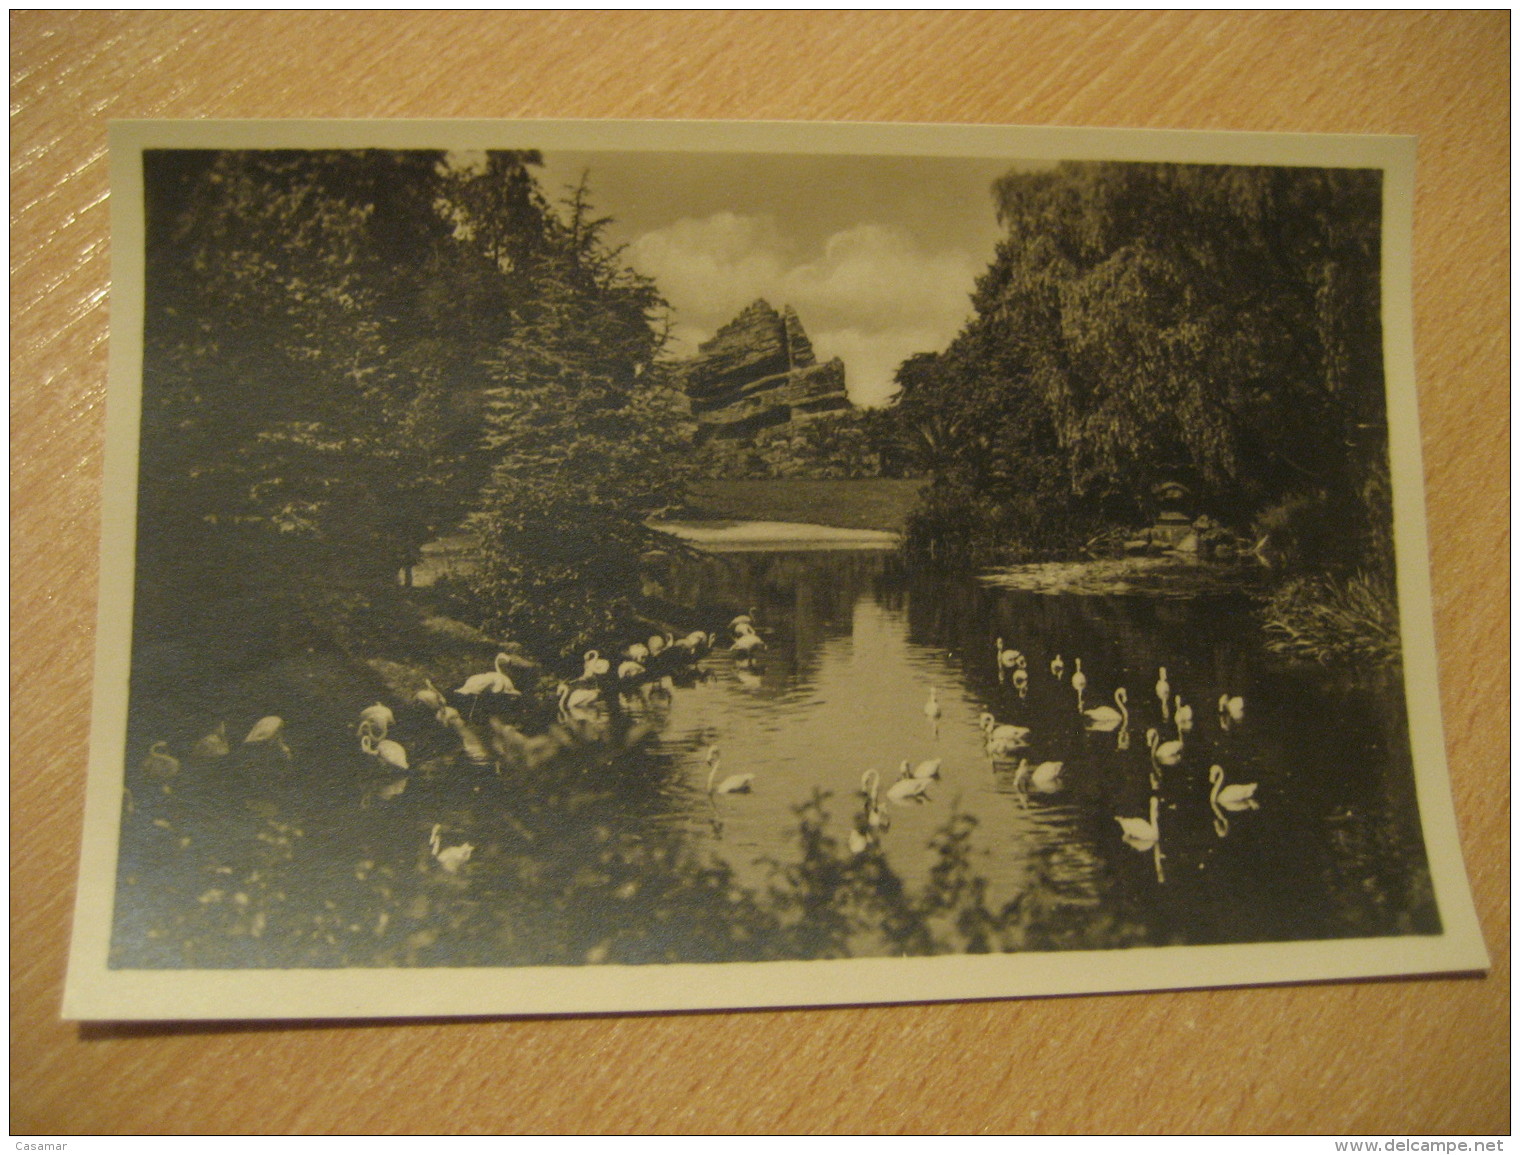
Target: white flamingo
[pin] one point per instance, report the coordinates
(431, 696)
(379, 714)
(494, 681)
(1079, 682)
(1106, 718)
(374, 743)
(1164, 692)
(932, 710)
(1182, 716)
(594, 665)
(451, 858)
(1057, 667)
(630, 670)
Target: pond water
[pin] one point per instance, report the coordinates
(611, 847)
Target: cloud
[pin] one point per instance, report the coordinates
(871, 296)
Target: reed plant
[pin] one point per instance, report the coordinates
(1335, 620)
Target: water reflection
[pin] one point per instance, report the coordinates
(1138, 771)
(1056, 716)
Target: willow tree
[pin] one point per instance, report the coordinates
(1217, 325)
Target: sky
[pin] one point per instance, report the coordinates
(877, 254)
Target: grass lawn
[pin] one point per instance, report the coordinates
(867, 503)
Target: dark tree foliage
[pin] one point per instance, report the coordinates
(1215, 325)
(340, 352)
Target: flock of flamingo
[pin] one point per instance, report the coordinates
(645, 677)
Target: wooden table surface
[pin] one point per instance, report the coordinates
(1384, 1057)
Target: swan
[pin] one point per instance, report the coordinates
(1106, 718)
(595, 665)
(1057, 667)
(1079, 681)
(1045, 776)
(876, 817)
(214, 744)
(1236, 796)
(431, 697)
(733, 784)
(495, 681)
(859, 840)
(932, 710)
(1020, 680)
(265, 729)
(906, 790)
(1163, 753)
(926, 769)
(574, 699)
(1164, 692)
(378, 745)
(450, 858)
(267, 734)
(1008, 659)
(1231, 710)
(1139, 833)
(745, 643)
(380, 714)
(1182, 716)
(160, 763)
(1003, 733)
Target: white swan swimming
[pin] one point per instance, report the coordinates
(1139, 833)
(1236, 796)
(1045, 777)
(1106, 718)
(450, 858)
(733, 784)
(906, 790)
(929, 768)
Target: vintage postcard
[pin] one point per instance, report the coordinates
(596, 567)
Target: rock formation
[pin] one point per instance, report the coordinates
(757, 371)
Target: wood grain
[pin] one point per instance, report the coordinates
(1388, 1057)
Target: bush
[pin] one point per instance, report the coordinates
(1335, 620)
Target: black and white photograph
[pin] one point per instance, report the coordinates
(561, 567)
